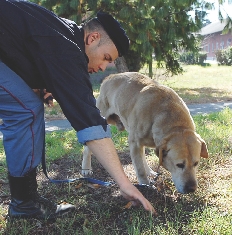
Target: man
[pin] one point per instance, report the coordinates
(39, 50)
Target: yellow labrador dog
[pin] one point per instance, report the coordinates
(154, 116)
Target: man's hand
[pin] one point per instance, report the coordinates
(132, 194)
(45, 96)
(48, 98)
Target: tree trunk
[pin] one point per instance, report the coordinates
(150, 68)
(121, 65)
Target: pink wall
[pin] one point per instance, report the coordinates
(214, 42)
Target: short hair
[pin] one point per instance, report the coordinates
(93, 25)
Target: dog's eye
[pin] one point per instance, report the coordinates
(165, 152)
(180, 165)
(196, 163)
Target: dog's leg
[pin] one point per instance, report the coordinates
(86, 162)
(137, 153)
(149, 171)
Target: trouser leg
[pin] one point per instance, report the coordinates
(22, 113)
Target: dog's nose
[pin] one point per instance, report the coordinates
(190, 187)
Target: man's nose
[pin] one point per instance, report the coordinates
(103, 66)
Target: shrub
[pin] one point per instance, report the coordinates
(202, 55)
(189, 57)
(224, 56)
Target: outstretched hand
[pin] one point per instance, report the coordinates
(132, 194)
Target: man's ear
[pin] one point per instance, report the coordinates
(92, 37)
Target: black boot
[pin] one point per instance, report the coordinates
(26, 202)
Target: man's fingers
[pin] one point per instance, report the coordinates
(137, 198)
(47, 94)
(147, 206)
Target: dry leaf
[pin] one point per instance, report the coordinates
(94, 186)
(128, 205)
(78, 186)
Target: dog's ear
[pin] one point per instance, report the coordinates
(161, 152)
(161, 149)
(204, 151)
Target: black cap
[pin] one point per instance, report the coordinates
(115, 31)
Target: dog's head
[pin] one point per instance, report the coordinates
(180, 154)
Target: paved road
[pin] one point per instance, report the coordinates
(194, 109)
(208, 107)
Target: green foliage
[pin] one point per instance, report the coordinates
(154, 27)
(202, 55)
(224, 56)
(190, 57)
(135, 61)
(70, 9)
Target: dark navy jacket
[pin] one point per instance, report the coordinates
(47, 51)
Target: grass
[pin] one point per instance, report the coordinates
(103, 211)
(199, 84)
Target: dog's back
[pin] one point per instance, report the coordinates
(142, 105)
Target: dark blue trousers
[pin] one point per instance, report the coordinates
(23, 127)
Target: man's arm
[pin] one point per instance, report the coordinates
(105, 152)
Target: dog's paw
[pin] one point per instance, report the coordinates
(86, 172)
(151, 173)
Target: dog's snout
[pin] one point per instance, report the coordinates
(190, 187)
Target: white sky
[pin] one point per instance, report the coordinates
(213, 15)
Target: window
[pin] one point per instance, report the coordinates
(212, 48)
(217, 46)
(229, 42)
(222, 45)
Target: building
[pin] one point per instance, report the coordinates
(214, 39)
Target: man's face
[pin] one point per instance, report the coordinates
(100, 56)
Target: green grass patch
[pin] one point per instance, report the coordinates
(59, 144)
(198, 84)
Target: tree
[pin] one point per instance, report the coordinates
(227, 18)
(160, 27)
